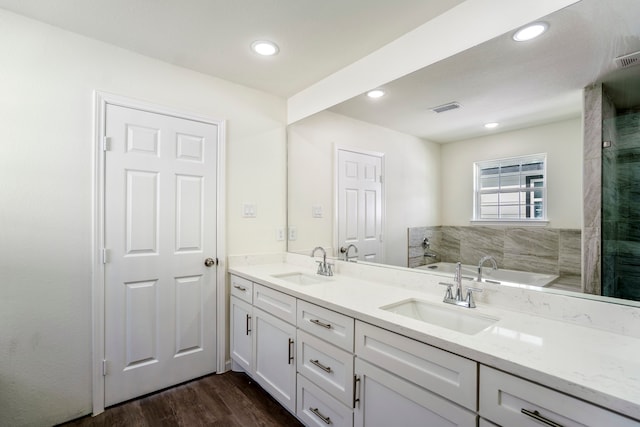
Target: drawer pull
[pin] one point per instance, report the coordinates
(536, 416)
(240, 288)
(248, 324)
(316, 412)
(319, 323)
(327, 369)
(290, 352)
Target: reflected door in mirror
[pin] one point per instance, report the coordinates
(359, 201)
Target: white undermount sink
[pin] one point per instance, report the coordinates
(455, 318)
(302, 278)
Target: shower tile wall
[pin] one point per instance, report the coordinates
(536, 249)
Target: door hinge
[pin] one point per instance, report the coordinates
(105, 256)
(104, 368)
(106, 143)
(217, 261)
(380, 179)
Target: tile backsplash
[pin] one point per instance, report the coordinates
(536, 249)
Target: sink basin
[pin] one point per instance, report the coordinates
(454, 318)
(302, 278)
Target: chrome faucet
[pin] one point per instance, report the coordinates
(345, 251)
(324, 269)
(456, 297)
(427, 252)
(481, 263)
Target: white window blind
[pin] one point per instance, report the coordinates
(512, 189)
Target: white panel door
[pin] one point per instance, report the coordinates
(160, 226)
(359, 204)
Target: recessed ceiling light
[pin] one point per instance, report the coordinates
(491, 125)
(265, 48)
(531, 31)
(375, 93)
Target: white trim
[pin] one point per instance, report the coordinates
(101, 99)
(511, 223)
(336, 242)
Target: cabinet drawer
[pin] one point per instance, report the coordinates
(333, 327)
(274, 302)
(329, 367)
(242, 288)
(386, 400)
(506, 400)
(317, 408)
(447, 374)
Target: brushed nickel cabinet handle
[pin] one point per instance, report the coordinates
(319, 323)
(536, 416)
(316, 412)
(290, 352)
(248, 324)
(241, 288)
(356, 391)
(327, 369)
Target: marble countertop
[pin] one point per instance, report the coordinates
(595, 365)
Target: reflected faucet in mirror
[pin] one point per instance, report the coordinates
(324, 268)
(426, 245)
(345, 251)
(494, 265)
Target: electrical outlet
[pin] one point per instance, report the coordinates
(280, 234)
(293, 233)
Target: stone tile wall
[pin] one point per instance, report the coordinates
(535, 249)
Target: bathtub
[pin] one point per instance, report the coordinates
(494, 276)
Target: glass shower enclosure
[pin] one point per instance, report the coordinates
(621, 205)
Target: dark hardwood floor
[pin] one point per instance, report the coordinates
(230, 399)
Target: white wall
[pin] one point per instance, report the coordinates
(411, 184)
(47, 77)
(562, 141)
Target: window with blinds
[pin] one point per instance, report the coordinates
(512, 189)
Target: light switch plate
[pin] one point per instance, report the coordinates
(316, 211)
(249, 210)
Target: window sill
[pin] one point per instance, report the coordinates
(512, 222)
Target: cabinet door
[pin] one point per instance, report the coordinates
(274, 364)
(241, 336)
(383, 399)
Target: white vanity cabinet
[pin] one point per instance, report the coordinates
(274, 359)
(413, 384)
(508, 400)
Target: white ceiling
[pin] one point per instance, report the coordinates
(516, 84)
(316, 37)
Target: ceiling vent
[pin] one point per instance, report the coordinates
(446, 107)
(628, 60)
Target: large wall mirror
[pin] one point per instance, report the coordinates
(561, 95)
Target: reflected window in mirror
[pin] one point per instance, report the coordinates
(511, 189)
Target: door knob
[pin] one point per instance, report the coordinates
(209, 262)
